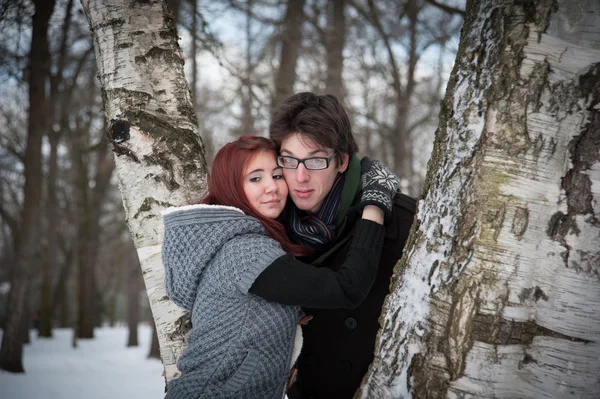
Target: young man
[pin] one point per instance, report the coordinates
(318, 153)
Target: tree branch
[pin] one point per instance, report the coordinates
(447, 8)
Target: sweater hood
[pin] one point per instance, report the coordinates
(193, 235)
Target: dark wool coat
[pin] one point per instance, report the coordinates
(339, 344)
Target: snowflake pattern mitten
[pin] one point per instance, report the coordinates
(379, 185)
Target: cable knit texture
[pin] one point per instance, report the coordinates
(212, 255)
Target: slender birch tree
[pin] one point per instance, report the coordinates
(498, 292)
(151, 123)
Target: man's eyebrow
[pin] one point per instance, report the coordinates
(310, 154)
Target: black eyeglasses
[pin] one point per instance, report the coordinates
(317, 163)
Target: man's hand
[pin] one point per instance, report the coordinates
(379, 185)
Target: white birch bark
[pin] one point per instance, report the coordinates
(158, 151)
(498, 292)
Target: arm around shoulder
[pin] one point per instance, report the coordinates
(291, 282)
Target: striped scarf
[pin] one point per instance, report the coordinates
(319, 229)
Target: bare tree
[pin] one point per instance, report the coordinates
(291, 42)
(498, 293)
(50, 261)
(406, 30)
(133, 300)
(11, 353)
(154, 352)
(335, 39)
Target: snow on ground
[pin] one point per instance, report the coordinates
(101, 368)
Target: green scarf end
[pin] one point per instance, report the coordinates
(352, 187)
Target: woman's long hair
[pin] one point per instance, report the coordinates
(225, 185)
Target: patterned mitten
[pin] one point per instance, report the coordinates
(379, 185)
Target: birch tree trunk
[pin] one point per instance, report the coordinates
(158, 152)
(498, 293)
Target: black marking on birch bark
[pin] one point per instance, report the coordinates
(584, 148)
(122, 151)
(163, 55)
(533, 293)
(552, 146)
(171, 143)
(116, 22)
(118, 134)
(139, 60)
(161, 159)
(434, 267)
(182, 326)
(538, 145)
(129, 99)
(498, 221)
(425, 382)
(122, 46)
(520, 222)
(538, 13)
(118, 131)
(146, 205)
(512, 332)
(527, 358)
(585, 151)
(458, 324)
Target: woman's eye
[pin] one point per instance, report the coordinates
(277, 177)
(255, 179)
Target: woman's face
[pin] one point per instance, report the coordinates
(264, 186)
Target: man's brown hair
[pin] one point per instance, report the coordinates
(319, 118)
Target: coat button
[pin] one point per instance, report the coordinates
(351, 323)
(346, 365)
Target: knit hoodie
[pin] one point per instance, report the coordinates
(240, 345)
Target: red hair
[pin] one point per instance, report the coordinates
(225, 185)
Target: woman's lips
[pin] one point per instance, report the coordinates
(272, 202)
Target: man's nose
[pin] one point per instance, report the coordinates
(302, 174)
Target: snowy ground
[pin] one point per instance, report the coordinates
(102, 368)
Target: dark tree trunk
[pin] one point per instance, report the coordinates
(51, 255)
(154, 346)
(85, 316)
(246, 89)
(11, 353)
(60, 298)
(133, 300)
(105, 166)
(26, 322)
(336, 37)
(290, 46)
(402, 144)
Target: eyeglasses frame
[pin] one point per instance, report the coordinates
(301, 161)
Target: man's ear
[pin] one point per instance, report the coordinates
(344, 165)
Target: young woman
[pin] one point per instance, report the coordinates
(244, 337)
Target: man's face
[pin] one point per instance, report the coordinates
(308, 188)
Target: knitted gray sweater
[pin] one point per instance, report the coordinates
(212, 255)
